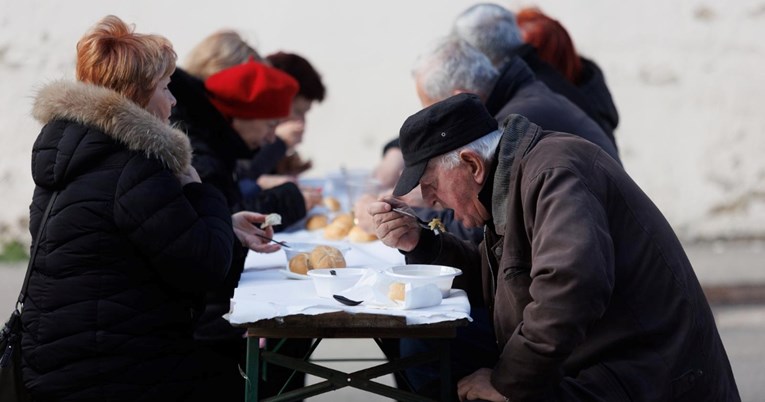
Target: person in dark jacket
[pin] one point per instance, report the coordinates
(231, 114)
(133, 239)
(592, 295)
(493, 30)
(217, 52)
(452, 66)
(555, 47)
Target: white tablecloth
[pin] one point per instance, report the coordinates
(264, 292)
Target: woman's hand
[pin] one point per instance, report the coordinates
(312, 197)
(189, 175)
(291, 132)
(268, 181)
(247, 228)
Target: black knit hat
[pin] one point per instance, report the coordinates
(438, 129)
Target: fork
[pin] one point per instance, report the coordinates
(281, 243)
(422, 223)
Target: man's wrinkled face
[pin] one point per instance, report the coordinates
(454, 188)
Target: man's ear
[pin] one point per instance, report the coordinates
(476, 165)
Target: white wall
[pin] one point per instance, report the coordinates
(687, 77)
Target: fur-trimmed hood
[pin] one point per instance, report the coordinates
(117, 117)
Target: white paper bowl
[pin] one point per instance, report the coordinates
(327, 284)
(422, 274)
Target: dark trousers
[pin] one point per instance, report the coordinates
(474, 347)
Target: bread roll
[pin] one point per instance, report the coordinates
(343, 220)
(397, 291)
(359, 235)
(335, 232)
(316, 222)
(332, 203)
(339, 227)
(326, 257)
(300, 264)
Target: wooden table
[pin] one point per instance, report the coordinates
(346, 325)
(266, 294)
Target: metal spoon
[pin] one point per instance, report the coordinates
(420, 222)
(347, 301)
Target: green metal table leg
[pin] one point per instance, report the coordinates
(252, 369)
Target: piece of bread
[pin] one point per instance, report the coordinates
(397, 291)
(335, 232)
(326, 257)
(271, 220)
(359, 235)
(343, 220)
(332, 203)
(316, 222)
(339, 227)
(300, 263)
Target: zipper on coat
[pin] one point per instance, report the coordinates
(491, 268)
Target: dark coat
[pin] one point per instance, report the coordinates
(517, 91)
(126, 255)
(592, 293)
(217, 147)
(591, 94)
(592, 84)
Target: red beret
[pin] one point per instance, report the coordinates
(252, 91)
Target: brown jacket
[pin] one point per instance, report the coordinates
(592, 294)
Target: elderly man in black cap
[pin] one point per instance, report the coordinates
(593, 297)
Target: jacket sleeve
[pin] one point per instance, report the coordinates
(286, 200)
(571, 282)
(185, 232)
(264, 161)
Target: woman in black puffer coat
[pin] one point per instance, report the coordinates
(133, 240)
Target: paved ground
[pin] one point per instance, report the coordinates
(733, 274)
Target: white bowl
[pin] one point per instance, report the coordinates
(423, 274)
(327, 284)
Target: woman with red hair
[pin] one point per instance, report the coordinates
(554, 46)
(133, 239)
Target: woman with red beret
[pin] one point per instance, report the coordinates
(227, 117)
(279, 161)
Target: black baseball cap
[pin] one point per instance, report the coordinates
(440, 128)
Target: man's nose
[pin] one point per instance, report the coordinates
(428, 196)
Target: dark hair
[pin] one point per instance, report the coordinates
(553, 43)
(301, 70)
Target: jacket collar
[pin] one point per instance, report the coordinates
(117, 117)
(518, 136)
(514, 75)
(196, 114)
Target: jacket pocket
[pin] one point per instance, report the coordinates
(612, 386)
(512, 295)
